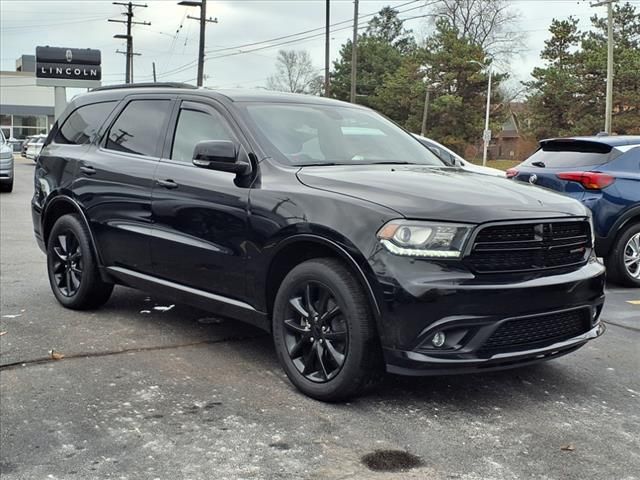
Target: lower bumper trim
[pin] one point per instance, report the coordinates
(410, 363)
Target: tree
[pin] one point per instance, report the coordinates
(487, 23)
(380, 50)
(456, 113)
(552, 104)
(567, 95)
(295, 73)
(388, 27)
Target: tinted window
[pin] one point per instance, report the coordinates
(83, 124)
(193, 127)
(140, 127)
(308, 134)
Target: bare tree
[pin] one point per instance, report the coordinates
(492, 24)
(295, 73)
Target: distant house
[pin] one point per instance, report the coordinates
(510, 143)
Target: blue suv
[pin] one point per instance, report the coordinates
(604, 174)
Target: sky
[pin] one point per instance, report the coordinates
(172, 39)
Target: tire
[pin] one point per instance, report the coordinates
(337, 356)
(6, 187)
(72, 268)
(626, 248)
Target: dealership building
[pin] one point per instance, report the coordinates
(25, 109)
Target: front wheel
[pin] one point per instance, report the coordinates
(623, 263)
(73, 271)
(324, 331)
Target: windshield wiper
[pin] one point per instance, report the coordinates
(389, 163)
(319, 164)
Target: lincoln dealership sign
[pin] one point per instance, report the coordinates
(68, 67)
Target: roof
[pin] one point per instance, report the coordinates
(611, 140)
(234, 95)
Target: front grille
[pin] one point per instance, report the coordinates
(537, 331)
(530, 246)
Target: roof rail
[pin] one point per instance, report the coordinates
(145, 85)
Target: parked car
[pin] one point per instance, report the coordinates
(25, 145)
(6, 165)
(604, 174)
(34, 146)
(452, 159)
(319, 221)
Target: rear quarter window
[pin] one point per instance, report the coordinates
(82, 125)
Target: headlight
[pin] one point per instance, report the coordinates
(424, 239)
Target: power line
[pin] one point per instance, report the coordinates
(304, 32)
(188, 65)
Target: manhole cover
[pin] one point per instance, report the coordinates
(390, 460)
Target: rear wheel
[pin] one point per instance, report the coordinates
(73, 271)
(623, 263)
(324, 332)
(6, 187)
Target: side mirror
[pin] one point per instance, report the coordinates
(221, 155)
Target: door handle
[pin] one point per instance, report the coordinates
(170, 184)
(87, 170)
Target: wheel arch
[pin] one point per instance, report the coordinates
(63, 205)
(628, 217)
(301, 247)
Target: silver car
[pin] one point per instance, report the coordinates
(6, 165)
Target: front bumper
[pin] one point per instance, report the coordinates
(420, 298)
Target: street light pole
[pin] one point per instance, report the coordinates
(425, 112)
(487, 132)
(609, 101)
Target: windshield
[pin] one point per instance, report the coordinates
(302, 134)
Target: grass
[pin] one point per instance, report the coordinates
(499, 164)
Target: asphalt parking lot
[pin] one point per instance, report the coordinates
(145, 391)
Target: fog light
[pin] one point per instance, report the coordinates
(438, 339)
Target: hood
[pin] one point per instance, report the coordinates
(441, 194)
(484, 170)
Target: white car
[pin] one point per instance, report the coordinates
(34, 147)
(6, 165)
(453, 159)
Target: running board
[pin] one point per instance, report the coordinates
(218, 304)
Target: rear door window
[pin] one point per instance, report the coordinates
(83, 124)
(140, 127)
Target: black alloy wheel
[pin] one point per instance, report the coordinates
(316, 333)
(73, 271)
(67, 263)
(324, 331)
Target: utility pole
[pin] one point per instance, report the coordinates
(354, 53)
(129, 37)
(327, 82)
(203, 23)
(609, 102)
(154, 72)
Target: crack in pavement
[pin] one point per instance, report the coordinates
(626, 327)
(41, 360)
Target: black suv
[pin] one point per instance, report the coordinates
(319, 221)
